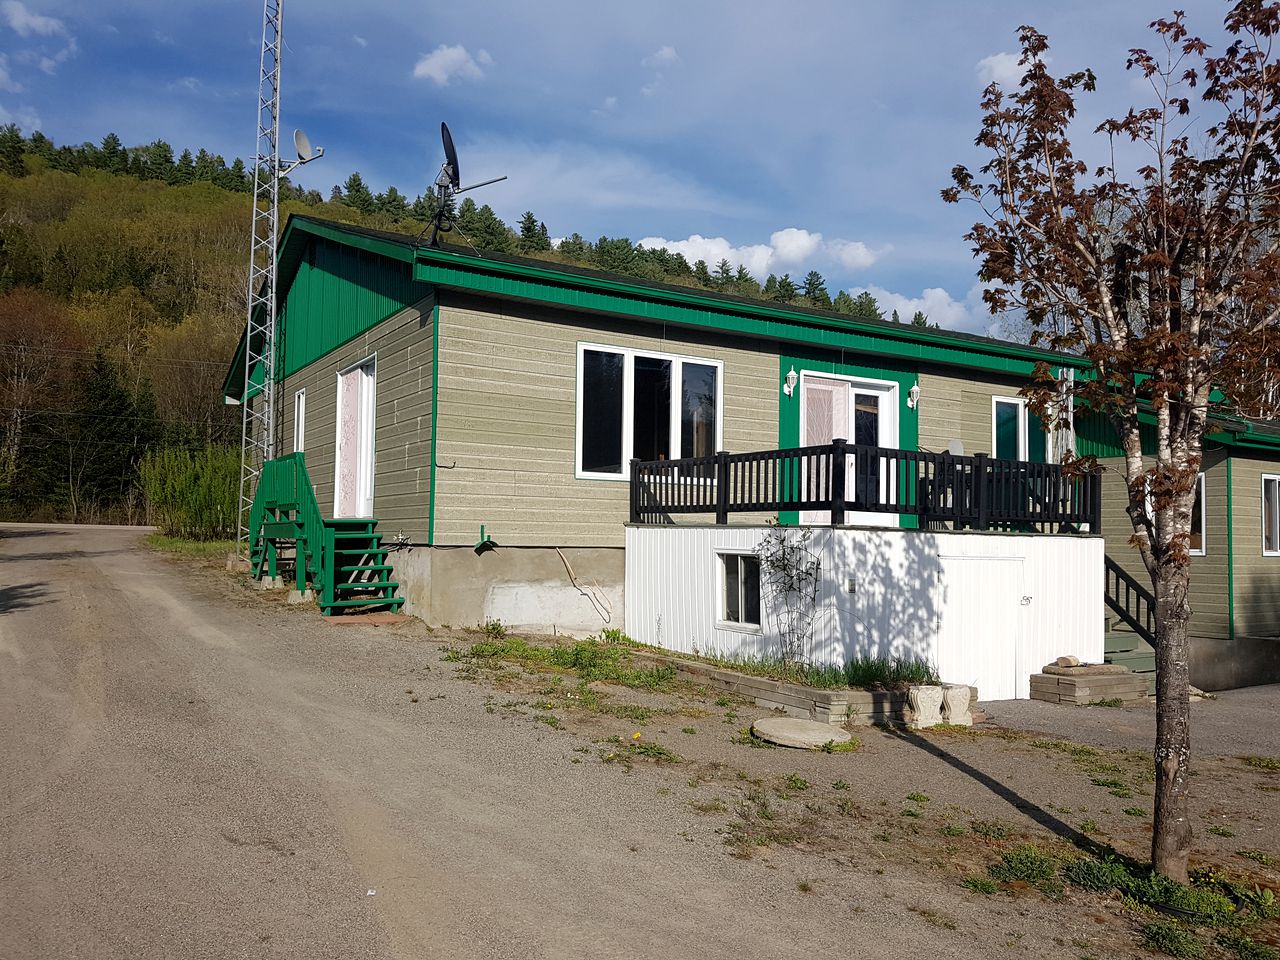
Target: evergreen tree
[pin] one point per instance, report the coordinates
(865, 306)
(112, 157)
(894, 316)
(575, 248)
(771, 287)
(615, 254)
(335, 195)
(392, 204)
(921, 319)
(357, 195)
(786, 291)
(238, 177)
(702, 274)
(843, 303)
(724, 275)
(533, 237)
(815, 290)
(11, 148)
(184, 171)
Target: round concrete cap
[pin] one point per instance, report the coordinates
(791, 732)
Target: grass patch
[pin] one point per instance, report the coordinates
(624, 752)
(1163, 936)
(1221, 831)
(864, 673)
(1262, 763)
(1134, 812)
(981, 885)
(1026, 864)
(989, 829)
(746, 738)
(796, 782)
(588, 659)
(195, 549)
(1257, 856)
(844, 746)
(1106, 702)
(952, 830)
(1247, 949)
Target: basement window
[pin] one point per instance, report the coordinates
(740, 589)
(646, 406)
(1270, 515)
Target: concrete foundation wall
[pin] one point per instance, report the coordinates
(527, 588)
(1218, 664)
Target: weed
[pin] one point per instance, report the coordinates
(884, 837)
(1247, 949)
(1257, 856)
(805, 886)
(1089, 826)
(981, 885)
(989, 829)
(494, 629)
(1221, 831)
(746, 738)
(795, 782)
(918, 797)
(1164, 936)
(847, 807)
(846, 746)
(952, 830)
(840, 785)
(1096, 875)
(1024, 863)
(689, 730)
(626, 752)
(551, 720)
(722, 701)
(1107, 702)
(614, 635)
(911, 812)
(1134, 812)
(1262, 763)
(934, 917)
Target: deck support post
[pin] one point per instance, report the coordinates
(839, 470)
(981, 490)
(722, 487)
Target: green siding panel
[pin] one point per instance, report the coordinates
(338, 293)
(1095, 437)
(904, 374)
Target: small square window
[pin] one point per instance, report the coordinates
(740, 596)
(1271, 516)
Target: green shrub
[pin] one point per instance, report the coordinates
(1024, 863)
(192, 494)
(1098, 876)
(1165, 937)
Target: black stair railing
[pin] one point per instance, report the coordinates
(1130, 601)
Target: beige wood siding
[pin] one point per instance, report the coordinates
(508, 411)
(956, 406)
(402, 430)
(1210, 610)
(1257, 578)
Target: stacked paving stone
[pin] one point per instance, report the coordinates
(1067, 680)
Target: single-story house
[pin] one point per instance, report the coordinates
(531, 441)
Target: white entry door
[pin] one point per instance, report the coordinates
(979, 604)
(353, 478)
(864, 412)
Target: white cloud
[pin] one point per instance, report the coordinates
(24, 116)
(26, 24)
(608, 105)
(7, 83)
(663, 55)
(359, 40)
(969, 315)
(1001, 68)
(50, 64)
(787, 248)
(444, 63)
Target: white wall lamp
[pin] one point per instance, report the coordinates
(789, 386)
(913, 396)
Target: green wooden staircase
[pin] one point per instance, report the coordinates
(342, 560)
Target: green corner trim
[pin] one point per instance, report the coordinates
(1231, 557)
(435, 419)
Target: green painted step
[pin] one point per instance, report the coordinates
(366, 585)
(370, 602)
(361, 551)
(366, 566)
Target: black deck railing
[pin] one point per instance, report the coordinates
(1132, 602)
(840, 478)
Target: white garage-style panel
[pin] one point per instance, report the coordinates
(984, 608)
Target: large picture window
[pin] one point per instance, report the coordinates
(1271, 516)
(643, 405)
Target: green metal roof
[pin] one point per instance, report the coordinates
(576, 288)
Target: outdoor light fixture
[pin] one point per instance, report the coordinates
(789, 387)
(913, 396)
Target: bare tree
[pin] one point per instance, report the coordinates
(1167, 278)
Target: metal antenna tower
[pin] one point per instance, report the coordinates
(258, 436)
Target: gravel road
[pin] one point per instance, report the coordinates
(190, 775)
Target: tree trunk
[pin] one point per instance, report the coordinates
(1171, 835)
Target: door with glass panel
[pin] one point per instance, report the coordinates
(864, 412)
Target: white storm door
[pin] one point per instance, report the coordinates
(353, 472)
(863, 412)
(979, 604)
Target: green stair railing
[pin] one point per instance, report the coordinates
(285, 494)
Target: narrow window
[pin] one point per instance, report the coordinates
(1197, 519)
(1271, 516)
(1009, 429)
(697, 410)
(602, 411)
(651, 410)
(741, 600)
(299, 421)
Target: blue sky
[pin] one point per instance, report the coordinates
(783, 137)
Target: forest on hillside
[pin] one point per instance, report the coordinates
(122, 297)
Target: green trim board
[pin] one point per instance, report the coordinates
(904, 375)
(435, 419)
(1231, 555)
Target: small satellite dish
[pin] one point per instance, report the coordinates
(302, 143)
(956, 448)
(450, 156)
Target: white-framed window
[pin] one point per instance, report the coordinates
(1009, 428)
(645, 405)
(739, 600)
(1271, 515)
(299, 420)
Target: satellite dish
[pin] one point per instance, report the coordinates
(956, 448)
(302, 143)
(450, 156)
(446, 187)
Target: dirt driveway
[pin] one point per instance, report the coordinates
(192, 770)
